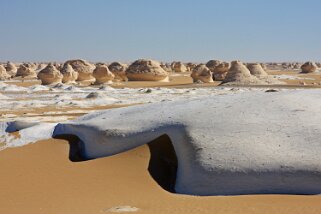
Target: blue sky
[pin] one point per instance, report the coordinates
(165, 30)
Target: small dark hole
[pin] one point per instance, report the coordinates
(75, 151)
(163, 162)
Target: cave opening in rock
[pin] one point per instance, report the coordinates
(162, 165)
(163, 162)
(75, 145)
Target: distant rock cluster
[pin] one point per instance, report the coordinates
(83, 72)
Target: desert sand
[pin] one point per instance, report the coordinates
(39, 178)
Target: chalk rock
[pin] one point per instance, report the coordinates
(256, 70)
(146, 70)
(202, 73)
(50, 75)
(190, 66)
(119, 70)
(69, 74)
(218, 68)
(309, 67)
(25, 70)
(3, 73)
(256, 144)
(239, 74)
(103, 75)
(11, 69)
(179, 67)
(84, 69)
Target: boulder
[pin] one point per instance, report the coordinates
(103, 75)
(119, 70)
(3, 73)
(84, 70)
(256, 70)
(146, 70)
(11, 69)
(69, 74)
(227, 144)
(218, 68)
(26, 71)
(179, 67)
(239, 74)
(309, 67)
(202, 73)
(50, 75)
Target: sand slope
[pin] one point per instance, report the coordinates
(39, 178)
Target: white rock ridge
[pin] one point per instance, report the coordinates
(248, 143)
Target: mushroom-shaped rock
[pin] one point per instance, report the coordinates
(202, 73)
(25, 70)
(11, 69)
(179, 67)
(69, 74)
(309, 67)
(239, 74)
(50, 75)
(190, 66)
(119, 70)
(3, 73)
(218, 68)
(103, 75)
(220, 71)
(84, 69)
(146, 70)
(256, 70)
(212, 64)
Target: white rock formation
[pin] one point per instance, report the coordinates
(3, 73)
(190, 66)
(179, 67)
(245, 143)
(309, 67)
(256, 70)
(11, 69)
(26, 71)
(202, 73)
(84, 70)
(69, 74)
(218, 68)
(50, 75)
(146, 70)
(119, 70)
(238, 74)
(103, 75)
